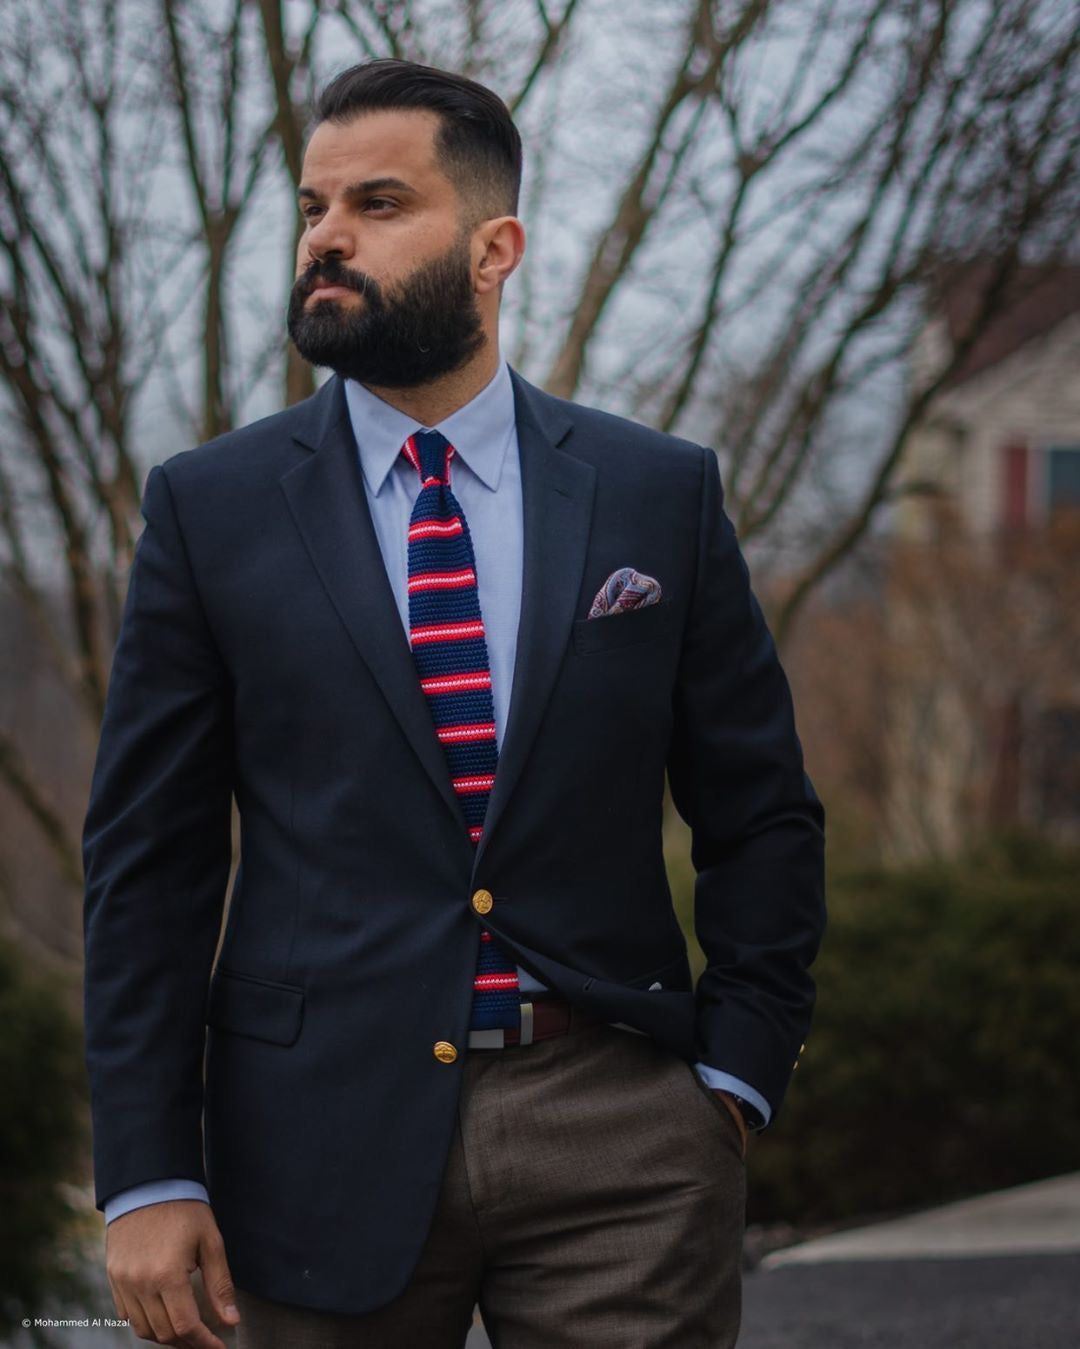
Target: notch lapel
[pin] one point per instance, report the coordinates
(326, 497)
(557, 498)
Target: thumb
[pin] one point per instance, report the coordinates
(216, 1278)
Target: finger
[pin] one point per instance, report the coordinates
(140, 1327)
(187, 1325)
(118, 1300)
(216, 1278)
(149, 1320)
(131, 1310)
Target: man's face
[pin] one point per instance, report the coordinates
(384, 289)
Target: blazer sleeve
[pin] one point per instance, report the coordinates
(757, 827)
(156, 853)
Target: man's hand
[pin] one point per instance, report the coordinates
(150, 1255)
(736, 1113)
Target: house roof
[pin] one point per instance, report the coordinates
(1035, 301)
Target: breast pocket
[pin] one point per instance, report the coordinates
(615, 630)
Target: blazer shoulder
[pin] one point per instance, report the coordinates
(602, 436)
(266, 446)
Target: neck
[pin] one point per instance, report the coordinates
(434, 402)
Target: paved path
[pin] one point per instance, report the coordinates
(989, 1302)
(1030, 1219)
(998, 1272)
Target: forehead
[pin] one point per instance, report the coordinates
(389, 144)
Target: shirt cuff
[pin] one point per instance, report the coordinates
(719, 1080)
(153, 1192)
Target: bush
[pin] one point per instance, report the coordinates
(42, 1139)
(943, 1057)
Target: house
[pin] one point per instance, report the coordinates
(983, 601)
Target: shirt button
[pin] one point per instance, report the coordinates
(482, 901)
(444, 1051)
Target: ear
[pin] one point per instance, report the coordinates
(497, 246)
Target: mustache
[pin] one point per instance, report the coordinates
(333, 273)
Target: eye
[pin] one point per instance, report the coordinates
(379, 204)
(310, 212)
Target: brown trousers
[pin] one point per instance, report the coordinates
(594, 1195)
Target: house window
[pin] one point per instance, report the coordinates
(1062, 477)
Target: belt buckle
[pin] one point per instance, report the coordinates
(496, 1038)
(487, 1039)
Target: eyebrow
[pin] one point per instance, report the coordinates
(363, 188)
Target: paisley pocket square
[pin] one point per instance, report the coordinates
(624, 590)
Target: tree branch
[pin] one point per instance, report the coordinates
(33, 797)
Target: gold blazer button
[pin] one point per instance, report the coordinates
(444, 1051)
(483, 901)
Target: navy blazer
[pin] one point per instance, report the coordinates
(261, 654)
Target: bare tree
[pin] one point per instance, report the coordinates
(80, 324)
(965, 146)
(95, 283)
(217, 77)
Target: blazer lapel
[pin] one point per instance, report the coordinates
(325, 493)
(557, 497)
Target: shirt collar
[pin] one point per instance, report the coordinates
(480, 432)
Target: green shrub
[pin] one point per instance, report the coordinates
(944, 1053)
(42, 1140)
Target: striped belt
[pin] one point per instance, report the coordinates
(541, 1019)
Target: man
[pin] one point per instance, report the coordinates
(441, 635)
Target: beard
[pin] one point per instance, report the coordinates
(426, 326)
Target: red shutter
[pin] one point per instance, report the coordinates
(1014, 478)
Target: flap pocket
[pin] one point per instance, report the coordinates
(244, 1005)
(622, 629)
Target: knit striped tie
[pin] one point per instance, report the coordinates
(446, 633)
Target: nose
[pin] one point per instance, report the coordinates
(328, 237)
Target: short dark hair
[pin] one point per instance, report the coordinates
(477, 141)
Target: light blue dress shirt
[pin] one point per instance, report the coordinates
(485, 475)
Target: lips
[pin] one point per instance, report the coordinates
(327, 291)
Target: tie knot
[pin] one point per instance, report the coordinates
(429, 452)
